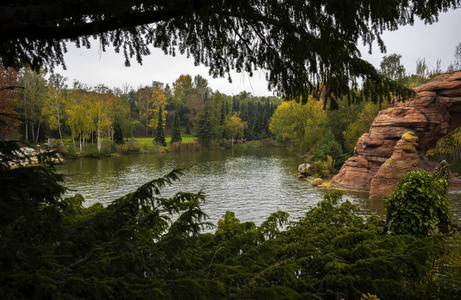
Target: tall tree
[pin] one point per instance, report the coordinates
(32, 97)
(392, 68)
(118, 135)
(143, 99)
(157, 104)
(77, 111)
(234, 127)
(305, 43)
(160, 131)
(9, 117)
(176, 134)
(53, 108)
(206, 125)
(456, 65)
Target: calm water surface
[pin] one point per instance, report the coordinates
(252, 183)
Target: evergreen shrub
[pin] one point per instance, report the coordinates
(148, 246)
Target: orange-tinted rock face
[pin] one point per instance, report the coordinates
(435, 111)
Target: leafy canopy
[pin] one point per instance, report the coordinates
(300, 43)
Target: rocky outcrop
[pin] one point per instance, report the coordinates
(431, 114)
(404, 159)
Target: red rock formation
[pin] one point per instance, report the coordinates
(404, 159)
(431, 114)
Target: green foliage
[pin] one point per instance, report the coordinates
(328, 146)
(447, 268)
(448, 148)
(107, 148)
(361, 124)
(418, 204)
(146, 246)
(317, 44)
(160, 131)
(176, 135)
(130, 147)
(206, 126)
(299, 125)
(118, 135)
(140, 146)
(392, 68)
(326, 168)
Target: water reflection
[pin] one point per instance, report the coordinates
(253, 183)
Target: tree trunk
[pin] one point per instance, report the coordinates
(33, 131)
(80, 142)
(59, 128)
(99, 132)
(27, 131)
(38, 132)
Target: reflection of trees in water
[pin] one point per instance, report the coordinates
(455, 207)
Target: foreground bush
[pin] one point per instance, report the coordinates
(144, 246)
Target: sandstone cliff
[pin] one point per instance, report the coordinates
(431, 114)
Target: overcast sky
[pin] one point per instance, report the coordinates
(93, 67)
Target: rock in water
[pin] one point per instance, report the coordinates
(305, 169)
(430, 115)
(317, 182)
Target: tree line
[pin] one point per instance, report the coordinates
(36, 106)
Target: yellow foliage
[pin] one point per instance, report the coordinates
(369, 296)
(300, 124)
(234, 126)
(447, 146)
(158, 100)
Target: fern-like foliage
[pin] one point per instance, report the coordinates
(145, 246)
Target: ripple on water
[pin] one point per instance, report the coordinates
(251, 183)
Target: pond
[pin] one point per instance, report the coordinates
(253, 183)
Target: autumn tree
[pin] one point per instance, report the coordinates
(53, 108)
(120, 115)
(77, 111)
(32, 96)
(9, 117)
(143, 100)
(182, 90)
(300, 125)
(157, 104)
(101, 104)
(234, 127)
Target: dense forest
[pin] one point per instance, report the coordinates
(46, 107)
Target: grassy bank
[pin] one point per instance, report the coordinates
(147, 146)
